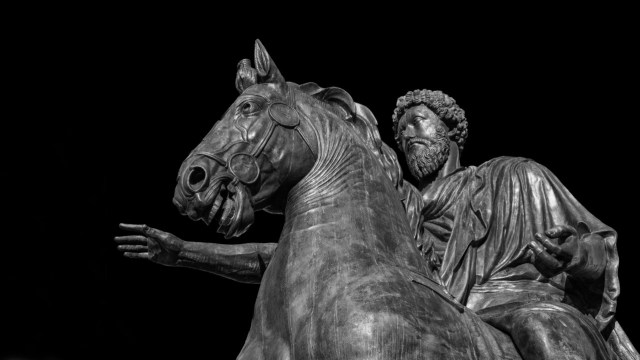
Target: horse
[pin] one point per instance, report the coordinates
(346, 280)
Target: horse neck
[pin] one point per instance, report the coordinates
(348, 189)
(337, 167)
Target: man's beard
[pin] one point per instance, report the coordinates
(427, 158)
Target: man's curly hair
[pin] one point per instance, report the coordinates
(442, 105)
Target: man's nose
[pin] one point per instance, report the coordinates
(408, 132)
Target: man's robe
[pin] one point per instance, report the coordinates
(475, 227)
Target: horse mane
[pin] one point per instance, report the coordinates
(334, 99)
(361, 119)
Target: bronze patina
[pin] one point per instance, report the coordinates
(497, 261)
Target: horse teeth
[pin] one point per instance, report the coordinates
(216, 204)
(227, 213)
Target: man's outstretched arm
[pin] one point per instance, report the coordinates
(242, 262)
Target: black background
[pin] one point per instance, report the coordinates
(125, 99)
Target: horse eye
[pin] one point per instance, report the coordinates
(249, 107)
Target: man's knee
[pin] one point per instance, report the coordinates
(552, 331)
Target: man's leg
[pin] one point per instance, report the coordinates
(548, 330)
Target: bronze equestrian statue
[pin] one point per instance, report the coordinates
(341, 283)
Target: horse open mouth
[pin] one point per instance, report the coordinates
(231, 209)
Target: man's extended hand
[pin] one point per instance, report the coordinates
(153, 244)
(577, 252)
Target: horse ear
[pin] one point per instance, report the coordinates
(339, 97)
(246, 75)
(267, 69)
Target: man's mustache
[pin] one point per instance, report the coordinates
(418, 140)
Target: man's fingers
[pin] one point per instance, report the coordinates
(141, 229)
(133, 227)
(560, 231)
(134, 255)
(550, 247)
(547, 264)
(131, 239)
(133, 248)
(536, 247)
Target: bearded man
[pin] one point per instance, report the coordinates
(508, 239)
(475, 226)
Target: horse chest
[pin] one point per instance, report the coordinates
(310, 270)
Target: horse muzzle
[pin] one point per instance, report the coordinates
(213, 197)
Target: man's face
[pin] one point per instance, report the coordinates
(424, 141)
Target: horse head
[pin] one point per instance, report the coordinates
(252, 156)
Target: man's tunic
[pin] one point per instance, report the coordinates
(475, 225)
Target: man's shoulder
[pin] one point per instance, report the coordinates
(509, 162)
(512, 167)
(504, 161)
(474, 178)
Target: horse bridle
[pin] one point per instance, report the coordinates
(243, 166)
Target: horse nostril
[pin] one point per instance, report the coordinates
(197, 178)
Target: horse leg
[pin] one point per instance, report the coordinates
(397, 319)
(549, 330)
(252, 349)
(264, 345)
